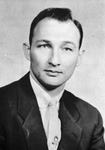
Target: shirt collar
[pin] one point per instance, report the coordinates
(43, 98)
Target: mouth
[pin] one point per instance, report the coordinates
(53, 73)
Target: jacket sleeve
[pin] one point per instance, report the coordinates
(97, 138)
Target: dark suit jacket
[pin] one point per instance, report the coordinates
(21, 125)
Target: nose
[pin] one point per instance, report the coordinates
(54, 59)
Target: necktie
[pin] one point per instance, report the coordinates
(54, 127)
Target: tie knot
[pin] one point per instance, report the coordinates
(52, 103)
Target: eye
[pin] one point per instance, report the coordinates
(67, 49)
(43, 46)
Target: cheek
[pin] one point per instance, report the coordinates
(34, 60)
(69, 62)
(68, 69)
(41, 54)
(38, 60)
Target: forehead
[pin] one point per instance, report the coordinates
(53, 29)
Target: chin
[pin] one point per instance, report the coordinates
(51, 85)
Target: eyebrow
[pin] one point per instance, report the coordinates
(68, 42)
(46, 41)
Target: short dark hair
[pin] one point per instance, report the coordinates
(60, 14)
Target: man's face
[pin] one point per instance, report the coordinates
(54, 52)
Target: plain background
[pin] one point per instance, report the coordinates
(88, 81)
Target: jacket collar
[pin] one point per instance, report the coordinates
(30, 119)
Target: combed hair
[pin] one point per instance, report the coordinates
(60, 14)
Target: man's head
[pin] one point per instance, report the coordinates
(55, 40)
(60, 14)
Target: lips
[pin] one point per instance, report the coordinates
(52, 72)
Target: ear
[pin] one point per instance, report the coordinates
(26, 50)
(80, 57)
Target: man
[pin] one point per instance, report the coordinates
(36, 113)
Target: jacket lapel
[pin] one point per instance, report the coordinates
(29, 116)
(71, 131)
(33, 131)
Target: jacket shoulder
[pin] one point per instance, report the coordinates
(9, 93)
(11, 89)
(8, 96)
(85, 109)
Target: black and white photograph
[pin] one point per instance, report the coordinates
(52, 75)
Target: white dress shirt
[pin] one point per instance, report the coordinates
(44, 99)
